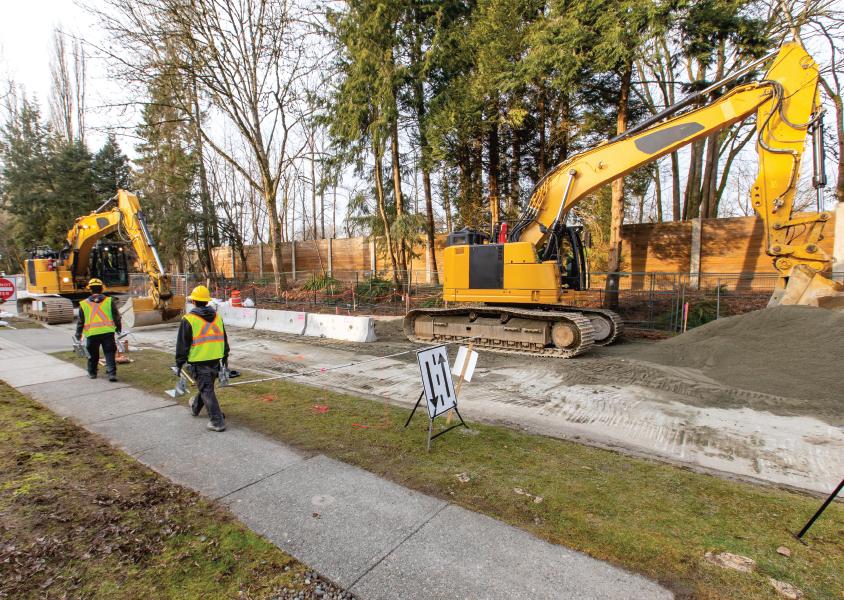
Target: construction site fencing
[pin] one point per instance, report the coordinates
(667, 302)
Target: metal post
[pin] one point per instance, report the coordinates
(293, 258)
(826, 503)
(261, 259)
(330, 259)
(718, 299)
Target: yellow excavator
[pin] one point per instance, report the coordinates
(515, 292)
(57, 280)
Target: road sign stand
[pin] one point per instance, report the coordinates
(462, 423)
(437, 389)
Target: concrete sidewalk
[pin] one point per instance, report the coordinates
(368, 535)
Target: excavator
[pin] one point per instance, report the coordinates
(516, 291)
(55, 281)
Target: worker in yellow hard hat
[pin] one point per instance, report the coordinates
(202, 344)
(99, 322)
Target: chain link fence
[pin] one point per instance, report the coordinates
(666, 302)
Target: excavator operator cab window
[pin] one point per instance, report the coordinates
(574, 271)
(108, 262)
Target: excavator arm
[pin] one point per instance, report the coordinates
(786, 104)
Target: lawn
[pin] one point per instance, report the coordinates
(80, 519)
(646, 516)
(21, 323)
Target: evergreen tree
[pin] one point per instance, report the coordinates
(166, 175)
(72, 183)
(111, 169)
(25, 175)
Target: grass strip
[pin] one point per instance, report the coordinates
(646, 516)
(80, 519)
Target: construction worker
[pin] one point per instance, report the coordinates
(98, 322)
(204, 346)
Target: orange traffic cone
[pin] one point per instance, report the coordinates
(236, 300)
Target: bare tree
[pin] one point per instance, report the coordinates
(67, 96)
(250, 60)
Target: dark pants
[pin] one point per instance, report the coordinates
(106, 340)
(205, 376)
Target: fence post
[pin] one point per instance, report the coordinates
(330, 258)
(261, 259)
(234, 267)
(372, 259)
(717, 298)
(293, 258)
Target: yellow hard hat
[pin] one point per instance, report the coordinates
(200, 294)
(95, 282)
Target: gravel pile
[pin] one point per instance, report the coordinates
(790, 351)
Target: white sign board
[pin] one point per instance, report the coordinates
(436, 380)
(459, 361)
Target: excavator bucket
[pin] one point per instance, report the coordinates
(808, 288)
(141, 311)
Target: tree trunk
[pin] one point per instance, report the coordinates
(397, 193)
(707, 201)
(275, 242)
(692, 200)
(379, 198)
(658, 193)
(493, 168)
(313, 189)
(676, 211)
(617, 206)
(542, 161)
(515, 172)
(446, 191)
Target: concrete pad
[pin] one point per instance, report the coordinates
(55, 339)
(168, 427)
(91, 408)
(359, 518)
(19, 363)
(56, 370)
(74, 388)
(219, 464)
(474, 556)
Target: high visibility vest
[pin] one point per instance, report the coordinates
(98, 317)
(209, 339)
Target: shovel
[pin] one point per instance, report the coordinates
(80, 348)
(181, 385)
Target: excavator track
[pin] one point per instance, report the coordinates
(559, 334)
(606, 323)
(52, 310)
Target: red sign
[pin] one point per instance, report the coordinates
(7, 289)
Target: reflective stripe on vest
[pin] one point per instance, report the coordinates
(209, 340)
(98, 317)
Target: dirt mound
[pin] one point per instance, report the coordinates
(791, 351)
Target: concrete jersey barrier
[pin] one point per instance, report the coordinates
(339, 327)
(281, 321)
(237, 317)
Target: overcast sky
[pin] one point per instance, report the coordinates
(26, 40)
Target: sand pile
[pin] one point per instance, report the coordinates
(791, 351)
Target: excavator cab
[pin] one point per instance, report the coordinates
(108, 262)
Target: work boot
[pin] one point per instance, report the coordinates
(214, 427)
(92, 375)
(195, 406)
(112, 377)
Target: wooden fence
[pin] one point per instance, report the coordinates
(700, 246)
